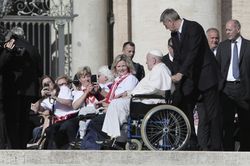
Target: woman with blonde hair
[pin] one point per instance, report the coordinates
(84, 97)
(123, 69)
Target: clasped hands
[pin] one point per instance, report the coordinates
(177, 77)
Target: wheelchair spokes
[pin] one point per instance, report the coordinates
(165, 127)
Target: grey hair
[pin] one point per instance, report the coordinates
(169, 15)
(18, 31)
(104, 70)
(212, 29)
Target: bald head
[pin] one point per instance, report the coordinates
(233, 29)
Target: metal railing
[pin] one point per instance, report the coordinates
(47, 25)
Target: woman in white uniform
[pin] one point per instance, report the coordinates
(124, 83)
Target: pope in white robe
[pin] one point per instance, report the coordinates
(157, 81)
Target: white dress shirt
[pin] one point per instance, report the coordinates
(230, 70)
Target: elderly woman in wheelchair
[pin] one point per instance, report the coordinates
(164, 127)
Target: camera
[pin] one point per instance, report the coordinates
(93, 79)
(46, 85)
(75, 81)
(6, 36)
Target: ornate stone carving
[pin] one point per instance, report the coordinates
(58, 8)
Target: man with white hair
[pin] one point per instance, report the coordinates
(157, 81)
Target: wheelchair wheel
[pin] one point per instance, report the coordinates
(133, 144)
(165, 127)
(42, 142)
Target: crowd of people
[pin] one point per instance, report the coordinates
(202, 73)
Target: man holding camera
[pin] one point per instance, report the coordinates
(5, 51)
(21, 78)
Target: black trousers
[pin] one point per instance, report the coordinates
(61, 133)
(17, 108)
(4, 139)
(211, 132)
(210, 122)
(232, 103)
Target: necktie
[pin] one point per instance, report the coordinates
(179, 35)
(236, 72)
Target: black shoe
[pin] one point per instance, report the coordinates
(115, 146)
(110, 144)
(106, 142)
(191, 147)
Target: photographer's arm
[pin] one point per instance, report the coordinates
(66, 102)
(36, 107)
(5, 53)
(80, 101)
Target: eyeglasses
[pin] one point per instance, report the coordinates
(63, 83)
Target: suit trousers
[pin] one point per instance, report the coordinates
(210, 134)
(232, 103)
(4, 139)
(210, 122)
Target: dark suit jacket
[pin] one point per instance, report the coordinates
(22, 73)
(173, 67)
(185, 87)
(223, 56)
(4, 57)
(196, 60)
(140, 73)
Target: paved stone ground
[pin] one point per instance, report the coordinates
(120, 158)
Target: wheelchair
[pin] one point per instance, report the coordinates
(156, 126)
(39, 139)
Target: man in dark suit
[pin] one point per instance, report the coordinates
(5, 55)
(128, 49)
(168, 60)
(21, 78)
(213, 38)
(198, 74)
(233, 56)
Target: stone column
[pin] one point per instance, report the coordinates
(121, 25)
(241, 12)
(89, 38)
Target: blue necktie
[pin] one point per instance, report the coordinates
(236, 71)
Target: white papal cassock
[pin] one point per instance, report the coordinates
(157, 81)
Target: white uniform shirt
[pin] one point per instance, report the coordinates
(60, 109)
(128, 84)
(78, 93)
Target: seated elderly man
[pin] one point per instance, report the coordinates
(157, 81)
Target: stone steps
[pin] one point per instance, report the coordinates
(120, 158)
